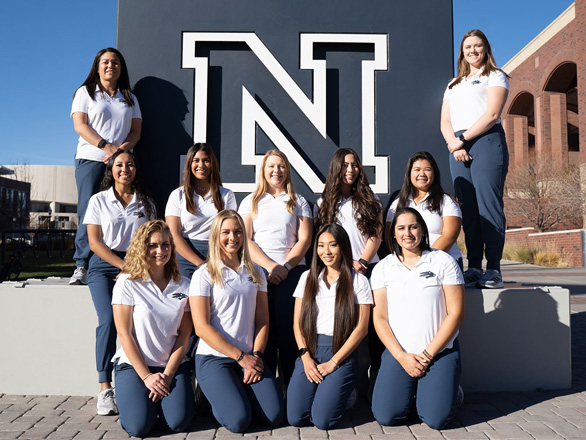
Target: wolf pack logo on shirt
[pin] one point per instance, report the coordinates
(427, 274)
(179, 296)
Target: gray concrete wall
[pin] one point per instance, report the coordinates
(512, 339)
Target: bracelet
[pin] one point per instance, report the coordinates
(259, 354)
(427, 355)
(335, 363)
(240, 357)
(145, 378)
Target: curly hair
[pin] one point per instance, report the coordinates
(214, 260)
(93, 79)
(136, 262)
(189, 180)
(142, 195)
(345, 312)
(367, 209)
(489, 65)
(262, 185)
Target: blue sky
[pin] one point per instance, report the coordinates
(48, 46)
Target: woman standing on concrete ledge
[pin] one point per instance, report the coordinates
(479, 159)
(332, 309)
(107, 118)
(151, 311)
(191, 208)
(419, 306)
(229, 306)
(113, 216)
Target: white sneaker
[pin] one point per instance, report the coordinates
(472, 276)
(492, 279)
(79, 276)
(106, 403)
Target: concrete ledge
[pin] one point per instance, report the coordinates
(512, 339)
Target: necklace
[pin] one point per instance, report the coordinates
(201, 189)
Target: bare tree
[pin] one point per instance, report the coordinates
(546, 194)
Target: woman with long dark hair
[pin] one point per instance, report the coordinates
(191, 208)
(229, 306)
(479, 159)
(332, 309)
(418, 309)
(279, 228)
(112, 217)
(107, 118)
(422, 190)
(150, 305)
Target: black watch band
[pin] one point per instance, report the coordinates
(462, 138)
(240, 357)
(302, 351)
(363, 261)
(259, 354)
(102, 144)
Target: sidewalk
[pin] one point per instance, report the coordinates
(527, 415)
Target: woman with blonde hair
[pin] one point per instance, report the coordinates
(228, 298)
(152, 318)
(479, 158)
(279, 229)
(191, 208)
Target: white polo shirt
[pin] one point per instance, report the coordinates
(275, 229)
(433, 220)
(118, 223)
(110, 117)
(415, 298)
(197, 227)
(345, 218)
(232, 306)
(156, 316)
(468, 100)
(326, 299)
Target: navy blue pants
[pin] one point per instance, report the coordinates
(200, 247)
(88, 177)
(100, 279)
(321, 404)
(138, 413)
(234, 403)
(435, 393)
(281, 336)
(479, 186)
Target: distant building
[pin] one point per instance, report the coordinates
(545, 111)
(53, 194)
(14, 202)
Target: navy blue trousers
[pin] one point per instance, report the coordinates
(138, 413)
(88, 176)
(200, 247)
(435, 393)
(281, 347)
(234, 403)
(321, 404)
(479, 186)
(100, 279)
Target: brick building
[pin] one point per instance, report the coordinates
(545, 112)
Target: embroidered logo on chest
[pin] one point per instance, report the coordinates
(427, 274)
(179, 296)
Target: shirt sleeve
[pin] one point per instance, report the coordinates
(136, 114)
(362, 292)
(316, 207)
(185, 288)
(450, 207)
(450, 271)
(173, 207)
(230, 200)
(80, 101)
(262, 286)
(377, 280)
(201, 283)
(245, 205)
(391, 211)
(303, 208)
(92, 213)
(300, 289)
(497, 79)
(121, 294)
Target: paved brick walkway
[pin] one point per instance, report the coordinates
(528, 415)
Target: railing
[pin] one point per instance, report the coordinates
(32, 239)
